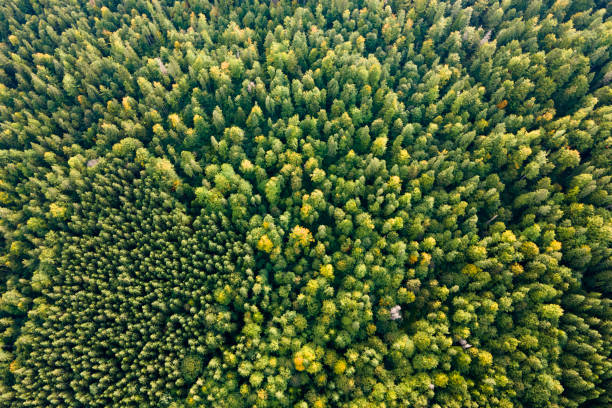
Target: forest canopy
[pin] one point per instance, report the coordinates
(337, 203)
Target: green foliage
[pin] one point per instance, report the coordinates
(219, 203)
(191, 366)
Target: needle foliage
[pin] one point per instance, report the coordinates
(337, 203)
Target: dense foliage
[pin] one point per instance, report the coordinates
(335, 203)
